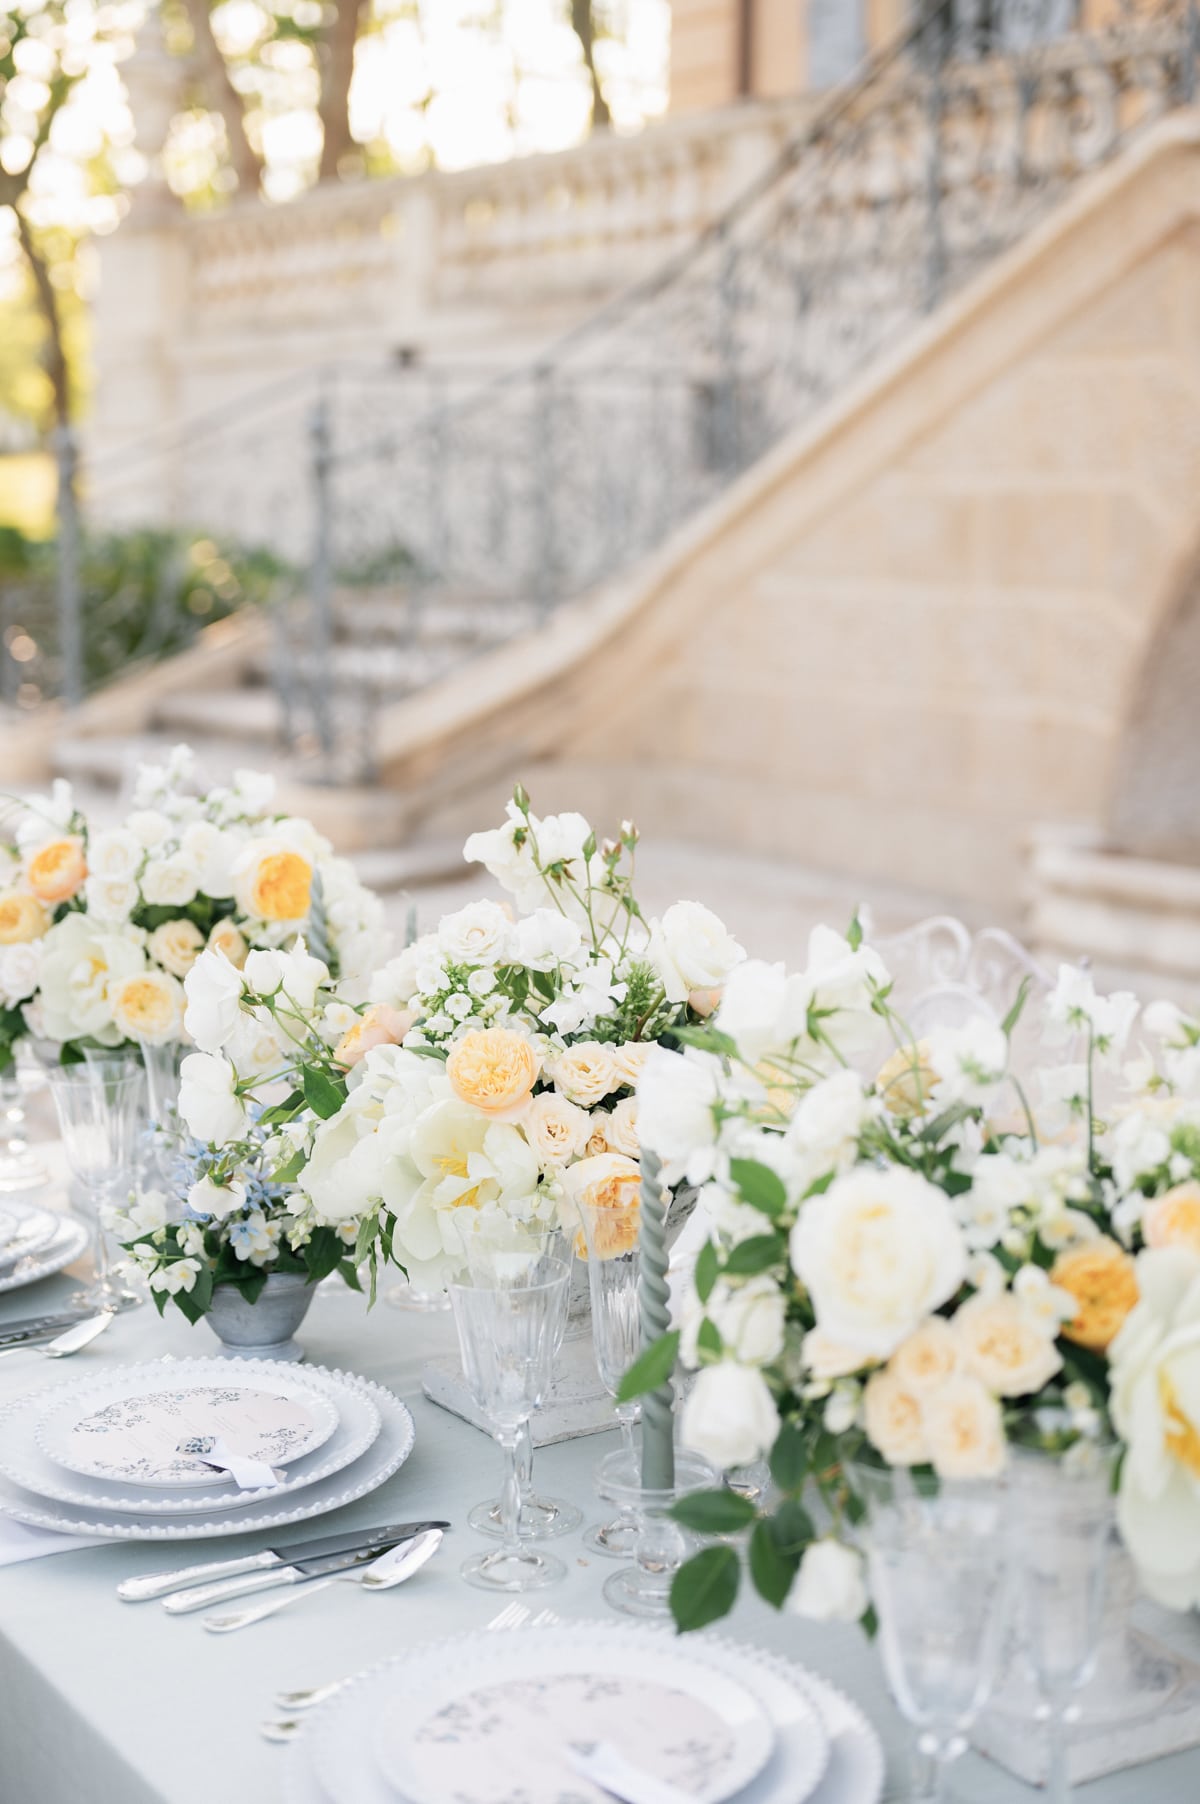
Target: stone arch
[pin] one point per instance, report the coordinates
(1155, 809)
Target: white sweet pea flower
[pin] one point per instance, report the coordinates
(969, 1060)
(829, 1586)
(208, 1101)
(1074, 1007)
(214, 990)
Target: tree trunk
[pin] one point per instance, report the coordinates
(337, 72)
(223, 96)
(584, 27)
(56, 357)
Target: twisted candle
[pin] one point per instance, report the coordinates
(658, 1425)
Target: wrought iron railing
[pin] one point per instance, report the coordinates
(433, 511)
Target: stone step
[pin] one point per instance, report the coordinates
(253, 714)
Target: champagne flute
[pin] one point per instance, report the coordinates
(99, 1107)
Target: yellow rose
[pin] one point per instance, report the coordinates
(1174, 1219)
(274, 883)
(964, 1429)
(176, 946)
(55, 872)
(494, 1070)
(905, 1080)
(927, 1358)
(22, 918)
(894, 1424)
(607, 1190)
(587, 1072)
(1102, 1278)
(1005, 1345)
(148, 1007)
(379, 1026)
(230, 940)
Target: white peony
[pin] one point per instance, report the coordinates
(878, 1252)
(729, 1417)
(479, 934)
(79, 965)
(20, 970)
(677, 1095)
(208, 1100)
(1154, 1366)
(214, 990)
(170, 882)
(829, 1587)
(692, 950)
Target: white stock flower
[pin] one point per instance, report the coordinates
(677, 1093)
(208, 1101)
(730, 1416)
(214, 990)
(219, 1200)
(479, 934)
(829, 1586)
(691, 949)
(878, 1251)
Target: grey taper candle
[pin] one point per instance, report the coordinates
(658, 1424)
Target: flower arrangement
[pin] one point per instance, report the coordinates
(929, 1268)
(98, 928)
(490, 1075)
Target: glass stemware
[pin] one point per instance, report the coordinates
(508, 1332)
(166, 1131)
(1062, 1512)
(20, 1168)
(660, 1545)
(99, 1107)
(938, 1557)
(610, 1235)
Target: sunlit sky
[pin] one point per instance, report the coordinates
(518, 88)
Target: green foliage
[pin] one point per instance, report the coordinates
(761, 1187)
(705, 1588)
(720, 1512)
(651, 1369)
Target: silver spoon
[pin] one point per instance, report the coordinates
(392, 1568)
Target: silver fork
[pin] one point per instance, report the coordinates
(513, 1616)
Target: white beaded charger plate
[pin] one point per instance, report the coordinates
(33, 1229)
(68, 1240)
(384, 1457)
(127, 1425)
(22, 1460)
(332, 1760)
(8, 1227)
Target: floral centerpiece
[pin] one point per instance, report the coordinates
(98, 927)
(930, 1268)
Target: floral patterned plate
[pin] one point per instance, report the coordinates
(128, 1425)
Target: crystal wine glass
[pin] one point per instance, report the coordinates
(610, 1234)
(540, 1518)
(20, 1168)
(1062, 1512)
(99, 1107)
(938, 1557)
(508, 1332)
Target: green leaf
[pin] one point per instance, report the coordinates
(1015, 1012)
(323, 1254)
(708, 1339)
(720, 1512)
(770, 1567)
(705, 1588)
(758, 1254)
(761, 1187)
(291, 1168)
(792, 1527)
(322, 1095)
(281, 1111)
(650, 1369)
(708, 1266)
(789, 1458)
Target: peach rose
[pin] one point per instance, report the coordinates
(148, 1007)
(927, 1358)
(894, 1424)
(964, 1429)
(1005, 1345)
(494, 1070)
(1102, 1278)
(608, 1189)
(629, 1059)
(1173, 1220)
(58, 870)
(231, 941)
(176, 945)
(905, 1080)
(378, 1026)
(22, 918)
(587, 1072)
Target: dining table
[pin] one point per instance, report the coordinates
(105, 1702)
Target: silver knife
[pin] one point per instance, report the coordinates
(328, 1565)
(31, 1327)
(137, 1590)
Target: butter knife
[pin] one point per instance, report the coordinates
(137, 1590)
(333, 1565)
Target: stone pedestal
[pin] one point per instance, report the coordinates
(579, 1405)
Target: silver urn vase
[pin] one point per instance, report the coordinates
(265, 1328)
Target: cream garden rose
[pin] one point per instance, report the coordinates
(1006, 1345)
(148, 1006)
(494, 1070)
(176, 945)
(556, 1129)
(608, 1188)
(964, 1429)
(273, 882)
(586, 1073)
(893, 1419)
(228, 939)
(22, 918)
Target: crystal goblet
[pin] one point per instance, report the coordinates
(20, 1167)
(99, 1107)
(610, 1239)
(508, 1331)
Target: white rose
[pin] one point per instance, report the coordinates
(730, 1416)
(893, 1419)
(170, 882)
(762, 1008)
(677, 1094)
(585, 1073)
(208, 1101)
(148, 827)
(79, 966)
(878, 1252)
(214, 995)
(692, 950)
(825, 1129)
(621, 1128)
(210, 1199)
(264, 971)
(115, 856)
(20, 969)
(545, 939)
(176, 945)
(556, 1129)
(480, 934)
(829, 1587)
(111, 899)
(750, 1319)
(214, 855)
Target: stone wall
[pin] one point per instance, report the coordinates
(919, 628)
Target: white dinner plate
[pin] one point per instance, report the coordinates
(126, 1425)
(8, 1227)
(488, 1721)
(338, 1737)
(22, 1460)
(68, 1240)
(34, 1229)
(384, 1457)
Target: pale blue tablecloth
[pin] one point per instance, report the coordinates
(109, 1703)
